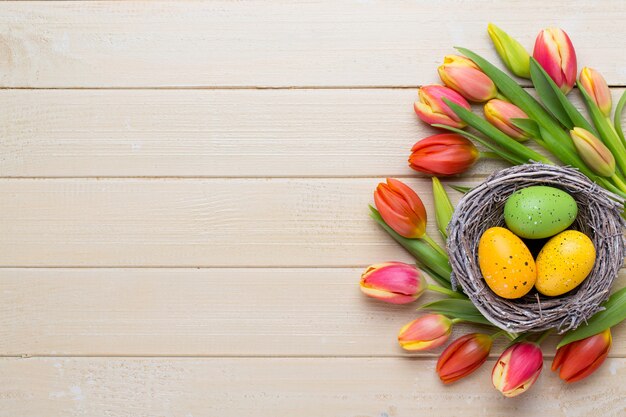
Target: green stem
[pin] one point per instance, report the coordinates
(511, 336)
(499, 96)
(617, 118)
(491, 155)
(541, 338)
(442, 290)
(498, 334)
(457, 320)
(434, 244)
(620, 184)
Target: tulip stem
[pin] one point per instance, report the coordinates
(499, 96)
(541, 338)
(442, 290)
(491, 155)
(618, 182)
(457, 320)
(434, 244)
(498, 334)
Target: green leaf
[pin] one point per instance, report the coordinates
(504, 154)
(614, 313)
(443, 207)
(618, 116)
(500, 138)
(529, 126)
(425, 254)
(461, 188)
(457, 308)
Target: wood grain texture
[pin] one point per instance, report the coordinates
(208, 312)
(326, 387)
(280, 43)
(201, 222)
(213, 133)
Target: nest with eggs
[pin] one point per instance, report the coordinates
(599, 217)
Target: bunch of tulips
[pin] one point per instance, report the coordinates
(512, 116)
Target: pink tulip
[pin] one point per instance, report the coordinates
(393, 282)
(595, 85)
(431, 108)
(500, 114)
(555, 53)
(427, 332)
(517, 368)
(463, 356)
(464, 77)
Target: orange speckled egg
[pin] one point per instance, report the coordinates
(506, 263)
(564, 262)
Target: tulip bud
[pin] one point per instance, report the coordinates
(499, 113)
(555, 53)
(517, 368)
(580, 359)
(393, 282)
(401, 208)
(595, 154)
(595, 85)
(463, 356)
(464, 77)
(443, 207)
(443, 155)
(512, 53)
(431, 108)
(427, 332)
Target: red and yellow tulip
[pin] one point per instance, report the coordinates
(596, 87)
(427, 332)
(432, 110)
(500, 114)
(463, 356)
(555, 53)
(393, 282)
(517, 368)
(463, 76)
(401, 208)
(580, 359)
(595, 154)
(444, 154)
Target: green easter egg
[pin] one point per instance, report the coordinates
(539, 211)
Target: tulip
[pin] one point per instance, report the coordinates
(463, 356)
(555, 53)
(595, 154)
(427, 332)
(595, 85)
(443, 155)
(431, 108)
(512, 53)
(517, 368)
(393, 282)
(443, 207)
(500, 114)
(464, 77)
(401, 208)
(580, 359)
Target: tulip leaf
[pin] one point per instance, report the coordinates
(461, 188)
(614, 312)
(618, 116)
(528, 126)
(435, 263)
(504, 154)
(457, 308)
(502, 139)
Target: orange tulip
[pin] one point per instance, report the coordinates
(555, 53)
(444, 154)
(517, 369)
(393, 282)
(427, 332)
(463, 356)
(595, 85)
(463, 76)
(499, 113)
(431, 108)
(580, 359)
(401, 208)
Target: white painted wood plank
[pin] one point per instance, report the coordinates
(116, 387)
(207, 312)
(280, 43)
(212, 133)
(195, 222)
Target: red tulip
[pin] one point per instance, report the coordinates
(464, 77)
(580, 359)
(432, 110)
(517, 368)
(427, 332)
(401, 208)
(393, 282)
(555, 53)
(463, 356)
(444, 154)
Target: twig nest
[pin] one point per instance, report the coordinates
(599, 217)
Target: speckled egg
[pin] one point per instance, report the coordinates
(538, 212)
(506, 263)
(564, 263)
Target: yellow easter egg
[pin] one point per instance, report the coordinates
(564, 262)
(506, 263)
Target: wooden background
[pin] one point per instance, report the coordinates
(183, 205)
